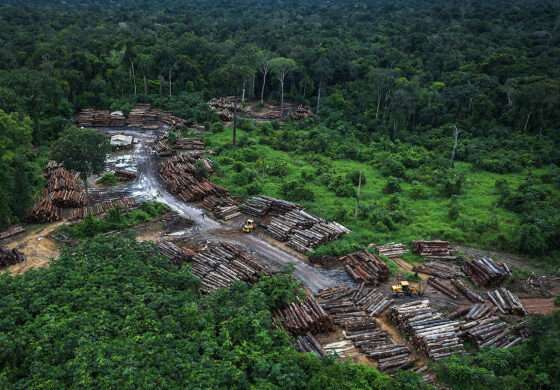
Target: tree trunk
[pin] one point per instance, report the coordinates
(243, 92)
(252, 94)
(234, 134)
(145, 85)
(455, 143)
(282, 95)
(358, 195)
(133, 77)
(318, 98)
(169, 82)
(527, 121)
(378, 104)
(265, 72)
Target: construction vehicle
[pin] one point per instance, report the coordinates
(405, 288)
(249, 226)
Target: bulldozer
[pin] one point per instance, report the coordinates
(405, 288)
(249, 226)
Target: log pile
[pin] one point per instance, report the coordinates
(10, 257)
(175, 254)
(490, 332)
(125, 175)
(44, 211)
(443, 287)
(221, 264)
(89, 117)
(438, 269)
(478, 311)
(377, 344)
(224, 208)
(301, 112)
(303, 231)
(303, 316)
(433, 249)
(102, 208)
(305, 240)
(165, 148)
(308, 343)
(466, 291)
(223, 107)
(343, 348)
(392, 250)
(430, 332)
(63, 190)
(142, 116)
(259, 206)
(486, 272)
(11, 231)
(365, 267)
(179, 175)
(345, 304)
(506, 302)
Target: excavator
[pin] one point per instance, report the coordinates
(249, 226)
(405, 288)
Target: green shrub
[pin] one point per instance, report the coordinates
(297, 191)
(108, 179)
(392, 186)
(354, 177)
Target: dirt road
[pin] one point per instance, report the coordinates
(149, 187)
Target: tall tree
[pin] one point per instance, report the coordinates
(280, 67)
(81, 150)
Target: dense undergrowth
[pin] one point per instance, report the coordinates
(407, 191)
(112, 313)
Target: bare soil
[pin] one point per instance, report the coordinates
(37, 246)
(542, 306)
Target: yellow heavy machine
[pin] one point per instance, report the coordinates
(405, 288)
(249, 226)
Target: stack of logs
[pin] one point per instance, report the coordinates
(63, 190)
(486, 272)
(11, 231)
(365, 267)
(506, 302)
(466, 291)
(301, 112)
(434, 249)
(430, 332)
(142, 116)
(221, 264)
(223, 207)
(484, 329)
(179, 175)
(308, 343)
(392, 250)
(165, 148)
(259, 206)
(303, 316)
(377, 344)
(90, 117)
(176, 254)
(353, 309)
(345, 304)
(439, 269)
(443, 287)
(224, 107)
(303, 231)
(10, 257)
(102, 208)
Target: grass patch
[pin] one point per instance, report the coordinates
(108, 179)
(114, 220)
(417, 211)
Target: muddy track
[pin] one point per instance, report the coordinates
(149, 187)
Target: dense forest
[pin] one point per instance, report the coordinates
(433, 119)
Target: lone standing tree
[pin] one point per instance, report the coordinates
(81, 150)
(281, 66)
